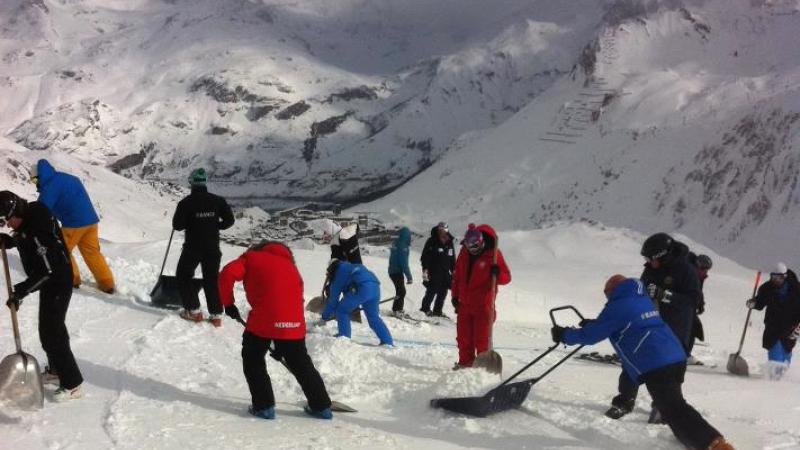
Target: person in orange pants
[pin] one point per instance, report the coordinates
(65, 196)
(472, 295)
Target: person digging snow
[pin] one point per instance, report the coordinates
(702, 264)
(349, 286)
(472, 295)
(202, 215)
(67, 199)
(398, 268)
(45, 259)
(274, 289)
(781, 296)
(651, 354)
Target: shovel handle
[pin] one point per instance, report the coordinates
(562, 308)
(14, 322)
(749, 311)
(169, 244)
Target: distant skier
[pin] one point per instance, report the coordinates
(781, 296)
(69, 202)
(274, 290)
(398, 267)
(46, 262)
(702, 264)
(202, 215)
(349, 286)
(438, 261)
(473, 298)
(344, 244)
(650, 354)
(671, 281)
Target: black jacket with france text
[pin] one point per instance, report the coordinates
(439, 259)
(677, 275)
(783, 312)
(202, 214)
(41, 248)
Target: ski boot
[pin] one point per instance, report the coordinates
(616, 412)
(321, 414)
(266, 413)
(63, 394)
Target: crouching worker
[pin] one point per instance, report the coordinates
(356, 286)
(650, 354)
(274, 291)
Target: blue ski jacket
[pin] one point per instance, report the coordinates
(643, 341)
(65, 196)
(398, 255)
(349, 279)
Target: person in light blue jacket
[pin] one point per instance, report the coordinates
(398, 266)
(650, 354)
(349, 286)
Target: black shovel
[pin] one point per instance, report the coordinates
(165, 293)
(507, 395)
(20, 376)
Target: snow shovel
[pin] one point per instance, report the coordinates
(335, 406)
(490, 359)
(20, 375)
(507, 395)
(165, 293)
(736, 364)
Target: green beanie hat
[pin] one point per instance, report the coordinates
(198, 177)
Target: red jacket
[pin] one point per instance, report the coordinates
(274, 290)
(473, 288)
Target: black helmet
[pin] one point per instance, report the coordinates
(656, 246)
(704, 262)
(9, 204)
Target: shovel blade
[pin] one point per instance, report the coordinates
(341, 407)
(503, 398)
(316, 305)
(21, 381)
(737, 365)
(489, 360)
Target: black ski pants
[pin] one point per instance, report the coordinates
(664, 385)
(399, 291)
(54, 298)
(295, 356)
(208, 260)
(438, 290)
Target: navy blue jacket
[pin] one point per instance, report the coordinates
(349, 278)
(398, 256)
(65, 196)
(635, 329)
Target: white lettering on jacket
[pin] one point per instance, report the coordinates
(209, 214)
(287, 324)
(649, 315)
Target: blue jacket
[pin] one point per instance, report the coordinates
(642, 340)
(398, 256)
(65, 196)
(349, 278)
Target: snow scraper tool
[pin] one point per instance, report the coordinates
(736, 364)
(165, 293)
(20, 376)
(507, 395)
(490, 359)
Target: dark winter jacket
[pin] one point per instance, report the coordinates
(41, 249)
(783, 311)
(65, 196)
(202, 215)
(472, 279)
(348, 279)
(635, 329)
(274, 290)
(344, 245)
(398, 255)
(679, 277)
(439, 260)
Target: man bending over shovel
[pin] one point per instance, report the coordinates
(650, 354)
(46, 261)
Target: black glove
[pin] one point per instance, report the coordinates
(659, 294)
(751, 303)
(233, 312)
(454, 301)
(495, 270)
(701, 308)
(6, 239)
(585, 322)
(557, 333)
(14, 301)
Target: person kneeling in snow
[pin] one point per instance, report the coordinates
(274, 290)
(781, 296)
(358, 287)
(650, 354)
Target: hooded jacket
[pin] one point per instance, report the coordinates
(349, 279)
(398, 255)
(472, 279)
(643, 341)
(439, 259)
(65, 196)
(783, 311)
(274, 290)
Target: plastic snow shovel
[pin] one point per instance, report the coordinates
(736, 364)
(335, 406)
(490, 359)
(317, 305)
(20, 376)
(507, 395)
(165, 293)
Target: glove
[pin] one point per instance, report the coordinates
(233, 312)
(658, 294)
(795, 333)
(557, 333)
(14, 301)
(454, 301)
(409, 281)
(750, 303)
(494, 270)
(701, 309)
(585, 322)
(425, 276)
(666, 296)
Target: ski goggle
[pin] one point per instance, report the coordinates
(473, 239)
